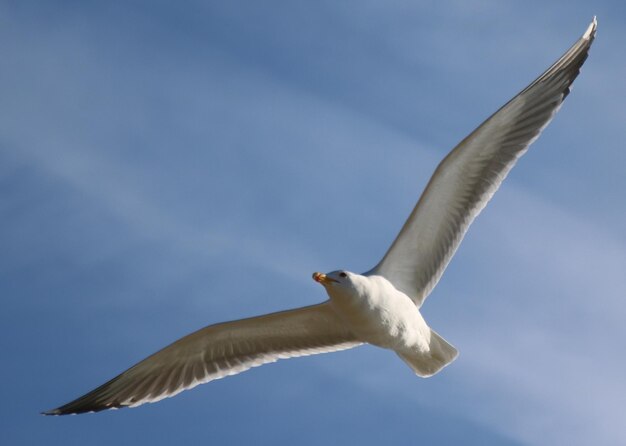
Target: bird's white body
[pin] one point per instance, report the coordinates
(377, 313)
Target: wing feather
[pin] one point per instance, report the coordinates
(471, 173)
(217, 351)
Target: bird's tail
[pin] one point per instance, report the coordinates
(425, 364)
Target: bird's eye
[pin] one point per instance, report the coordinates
(343, 275)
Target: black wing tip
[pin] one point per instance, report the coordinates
(60, 411)
(78, 407)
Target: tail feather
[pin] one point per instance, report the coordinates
(425, 364)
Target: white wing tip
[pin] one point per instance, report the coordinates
(591, 30)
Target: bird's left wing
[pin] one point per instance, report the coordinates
(217, 351)
(468, 177)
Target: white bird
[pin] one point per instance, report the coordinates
(381, 306)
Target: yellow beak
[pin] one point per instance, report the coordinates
(323, 278)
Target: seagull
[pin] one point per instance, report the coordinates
(381, 306)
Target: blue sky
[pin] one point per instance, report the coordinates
(166, 165)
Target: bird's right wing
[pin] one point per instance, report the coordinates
(217, 351)
(468, 177)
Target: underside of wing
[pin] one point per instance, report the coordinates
(217, 351)
(467, 178)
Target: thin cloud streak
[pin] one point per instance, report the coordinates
(555, 339)
(191, 151)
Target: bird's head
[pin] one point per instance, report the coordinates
(335, 278)
(338, 282)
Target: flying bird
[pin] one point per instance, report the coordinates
(380, 306)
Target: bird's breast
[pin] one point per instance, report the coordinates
(383, 316)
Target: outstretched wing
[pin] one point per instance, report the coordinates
(217, 351)
(468, 177)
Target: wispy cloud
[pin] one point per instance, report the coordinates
(547, 343)
(227, 152)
